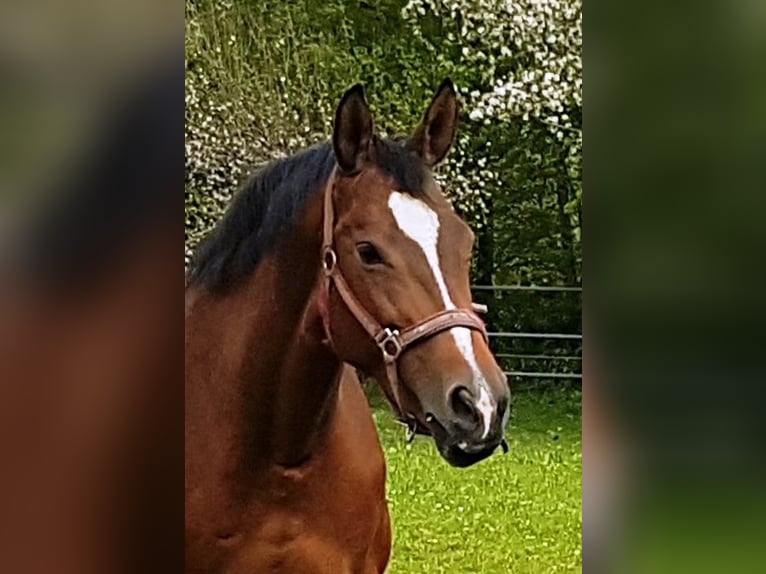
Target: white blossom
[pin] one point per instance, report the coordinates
(537, 42)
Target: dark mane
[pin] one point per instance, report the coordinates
(272, 198)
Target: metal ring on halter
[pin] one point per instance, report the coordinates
(329, 260)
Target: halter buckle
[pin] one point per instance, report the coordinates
(390, 344)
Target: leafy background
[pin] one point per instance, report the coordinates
(263, 79)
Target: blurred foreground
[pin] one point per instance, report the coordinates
(91, 236)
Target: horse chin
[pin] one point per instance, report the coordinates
(451, 452)
(457, 457)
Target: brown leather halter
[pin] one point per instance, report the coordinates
(391, 342)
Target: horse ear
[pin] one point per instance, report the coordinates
(352, 132)
(434, 135)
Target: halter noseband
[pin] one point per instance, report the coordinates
(391, 342)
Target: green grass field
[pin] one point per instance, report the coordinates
(515, 513)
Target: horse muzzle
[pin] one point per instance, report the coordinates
(462, 444)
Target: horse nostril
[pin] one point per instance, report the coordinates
(461, 401)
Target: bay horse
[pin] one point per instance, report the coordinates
(346, 253)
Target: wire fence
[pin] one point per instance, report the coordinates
(560, 354)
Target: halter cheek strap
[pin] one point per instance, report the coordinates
(391, 342)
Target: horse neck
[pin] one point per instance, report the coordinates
(262, 383)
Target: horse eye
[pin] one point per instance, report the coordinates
(368, 253)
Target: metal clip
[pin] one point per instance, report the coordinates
(411, 427)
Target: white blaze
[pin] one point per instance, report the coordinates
(421, 224)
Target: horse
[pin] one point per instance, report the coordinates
(344, 256)
(91, 357)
